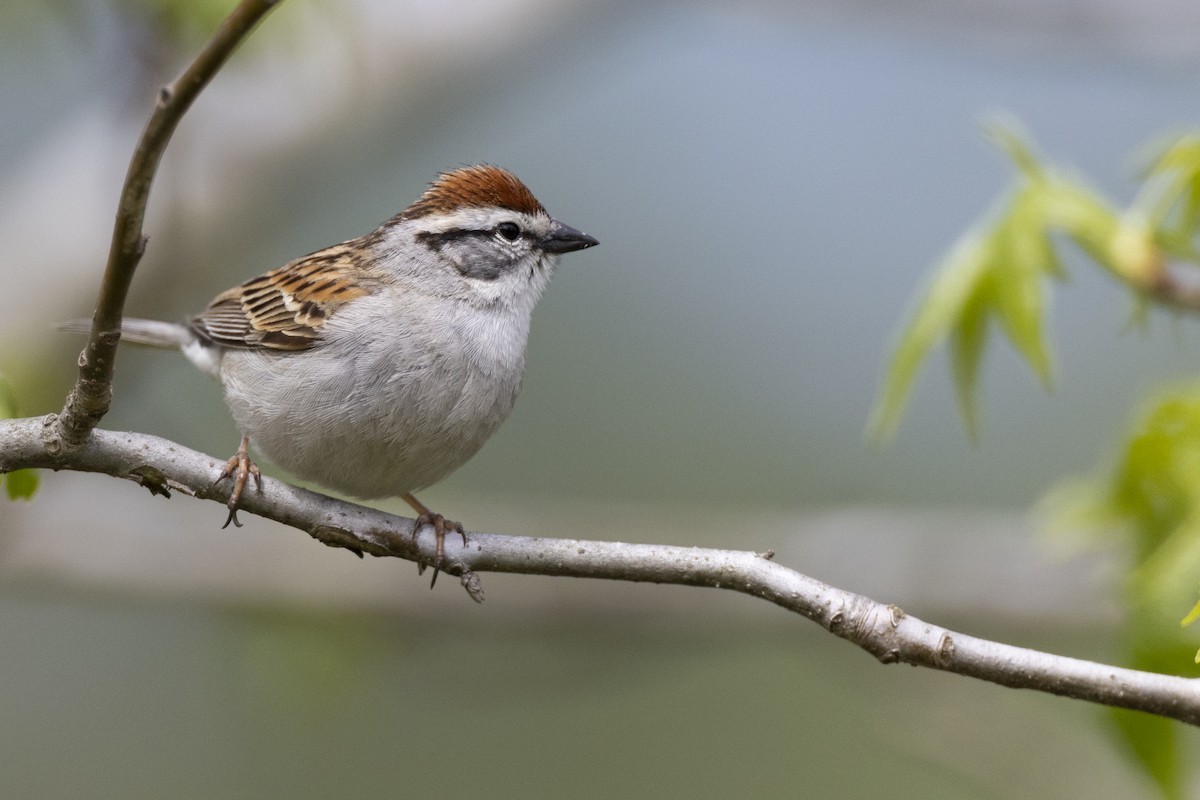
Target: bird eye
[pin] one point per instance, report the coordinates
(509, 230)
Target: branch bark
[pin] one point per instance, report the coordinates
(885, 631)
(91, 396)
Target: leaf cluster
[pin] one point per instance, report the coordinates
(998, 275)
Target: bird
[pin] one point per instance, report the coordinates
(378, 366)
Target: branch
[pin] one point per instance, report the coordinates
(89, 400)
(1168, 290)
(882, 630)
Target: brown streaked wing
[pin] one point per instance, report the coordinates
(286, 308)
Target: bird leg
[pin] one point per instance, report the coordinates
(440, 526)
(240, 467)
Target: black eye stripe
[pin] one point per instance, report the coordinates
(436, 241)
(482, 269)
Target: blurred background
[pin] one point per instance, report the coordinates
(771, 184)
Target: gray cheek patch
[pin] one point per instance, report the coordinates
(458, 244)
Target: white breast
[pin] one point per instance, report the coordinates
(396, 396)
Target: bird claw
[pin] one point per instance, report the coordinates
(441, 526)
(240, 468)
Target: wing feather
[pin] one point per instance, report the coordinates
(286, 308)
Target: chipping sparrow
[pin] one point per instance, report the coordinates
(378, 366)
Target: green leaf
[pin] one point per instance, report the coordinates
(1150, 498)
(1192, 616)
(1171, 194)
(1155, 485)
(1163, 579)
(1007, 133)
(953, 284)
(1000, 266)
(995, 269)
(1088, 219)
(1152, 742)
(1024, 257)
(21, 484)
(966, 353)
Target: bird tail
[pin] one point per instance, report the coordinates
(149, 332)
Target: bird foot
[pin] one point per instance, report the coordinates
(441, 526)
(240, 468)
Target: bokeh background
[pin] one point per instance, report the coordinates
(770, 183)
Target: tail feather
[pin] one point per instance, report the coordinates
(149, 332)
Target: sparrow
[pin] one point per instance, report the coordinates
(378, 366)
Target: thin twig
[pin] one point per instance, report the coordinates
(1168, 290)
(882, 630)
(89, 399)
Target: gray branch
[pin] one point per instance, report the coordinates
(882, 630)
(91, 395)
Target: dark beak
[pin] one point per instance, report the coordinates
(565, 239)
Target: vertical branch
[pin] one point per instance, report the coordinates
(89, 399)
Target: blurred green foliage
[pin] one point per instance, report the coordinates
(158, 34)
(20, 484)
(181, 21)
(1170, 197)
(1149, 500)
(184, 22)
(998, 271)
